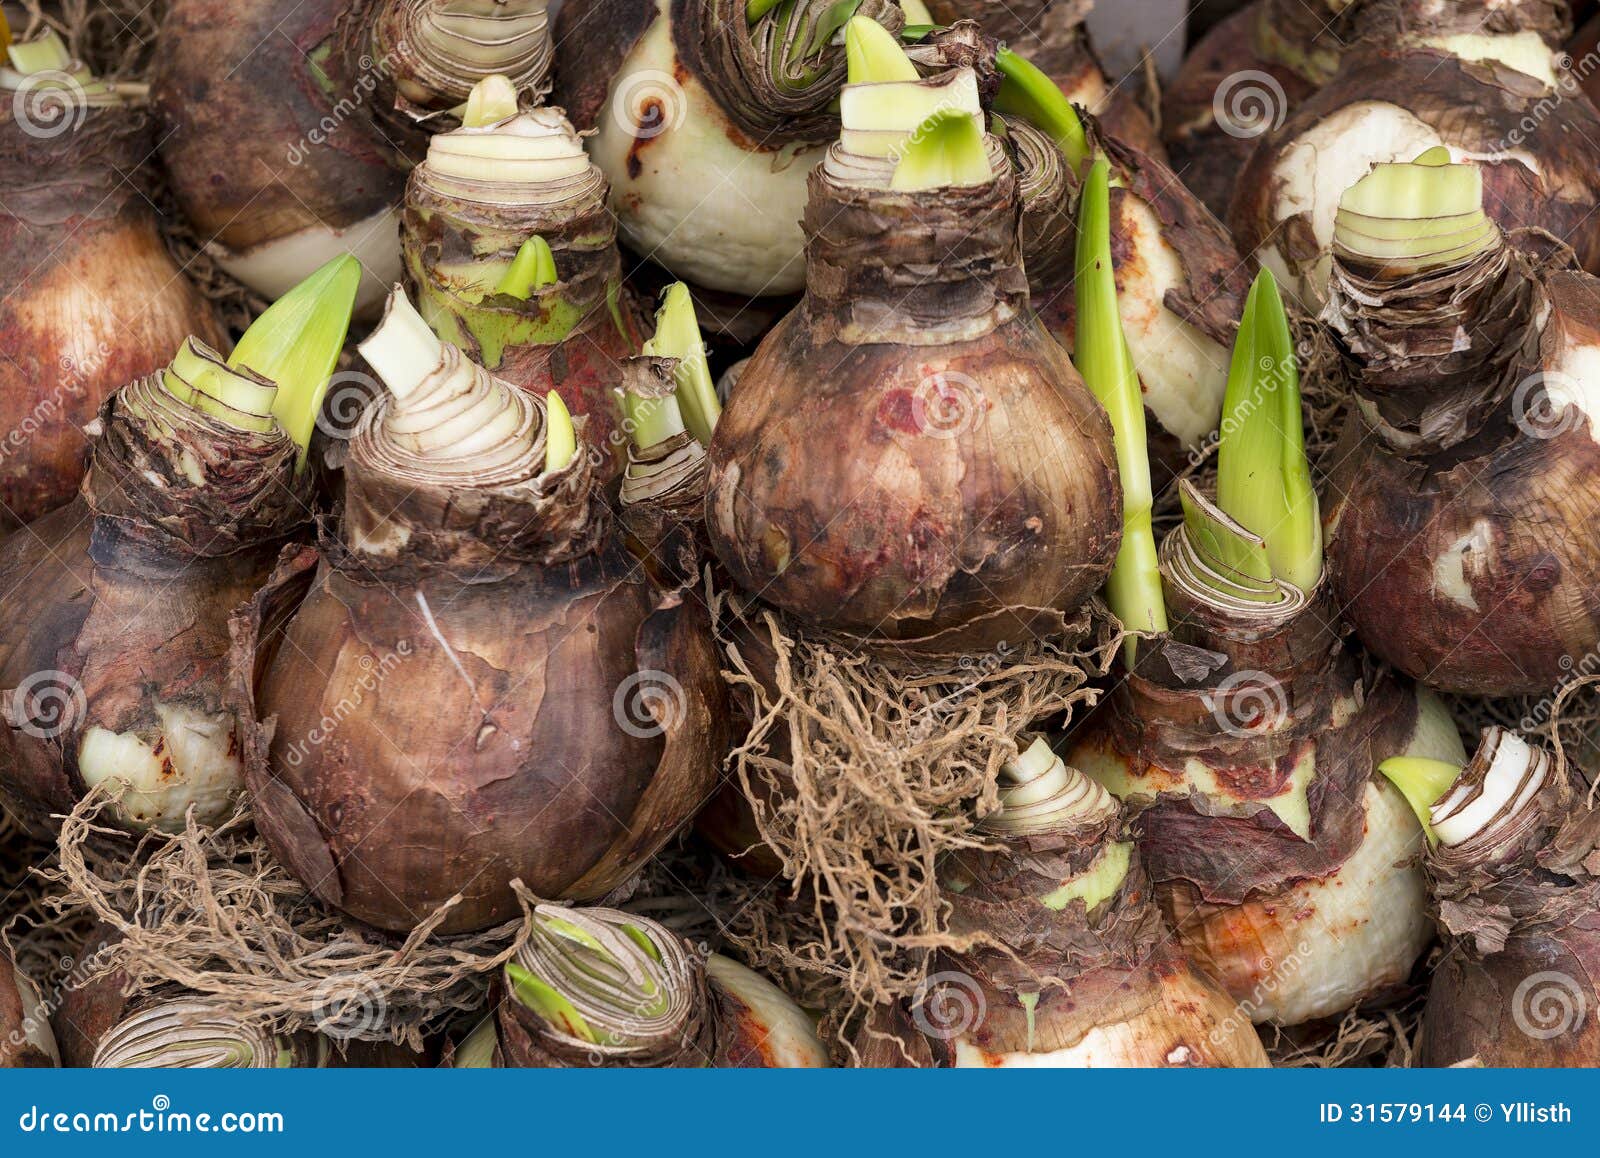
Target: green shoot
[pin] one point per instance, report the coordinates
(493, 99)
(1263, 479)
(1027, 92)
(560, 439)
(532, 269)
(296, 342)
(945, 151)
(1134, 588)
(678, 336)
(549, 1004)
(1423, 782)
(872, 55)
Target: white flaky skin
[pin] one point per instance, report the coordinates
(197, 764)
(712, 211)
(792, 1041)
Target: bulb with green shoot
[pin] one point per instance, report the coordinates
(476, 532)
(603, 988)
(1474, 372)
(193, 489)
(902, 452)
(707, 118)
(510, 254)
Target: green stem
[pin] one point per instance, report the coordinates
(1102, 357)
(1026, 92)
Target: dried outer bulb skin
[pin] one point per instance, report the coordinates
(113, 659)
(607, 989)
(481, 194)
(661, 501)
(1462, 491)
(1069, 961)
(707, 125)
(1250, 737)
(26, 1041)
(1180, 284)
(1512, 877)
(574, 710)
(1400, 91)
(104, 302)
(969, 434)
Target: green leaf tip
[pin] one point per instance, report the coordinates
(1102, 357)
(532, 269)
(678, 336)
(295, 344)
(872, 55)
(560, 438)
(943, 152)
(1263, 479)
(1423, 782)
(1027, 92)
(548, 1004)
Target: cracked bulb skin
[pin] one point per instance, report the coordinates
(1480, 533)
(114, 651)
(480, 685)
(706, 151)
(104, 302)
(1483, 80)
(912, 458)
(1515, 898)
(1290, 874)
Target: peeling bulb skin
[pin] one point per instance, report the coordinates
(1267, 761)
(103, 302)
(707, 151)
(1515, 898)
(576, 714)
(26, 1040)
(979, 499)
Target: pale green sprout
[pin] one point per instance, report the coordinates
(1027, 92)
(1423, 782)
(493, 99)
(560, 439)
(872, 55)
(1134, 588)
(945, 151)
(678, 336)
(531, 270)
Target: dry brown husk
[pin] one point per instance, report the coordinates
(863, 770)
(209, 910)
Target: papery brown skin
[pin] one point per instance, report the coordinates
(1515, 506)
(16, 1051)
(256, 149)
(96, 299)
(386, 810)
(1205, 155)
(939, 495)
(1510, 112)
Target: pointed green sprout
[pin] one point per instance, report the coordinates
(1263, 479)
(493, 99)
(1423, 782)
(296, 343)
(678, 336)
(943, 152)
(1102, 357)
(1236, 560)
(1027, 92)
(872, 55)
(532, 269)
(1414, 216)
(560, 439)
(549, 1004)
